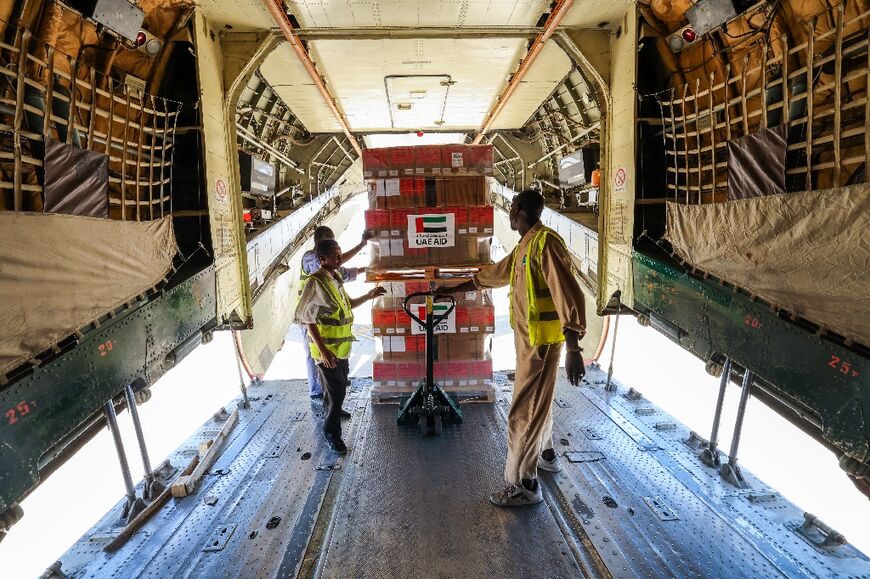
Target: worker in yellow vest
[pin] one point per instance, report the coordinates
(327, 312)
(546, 309)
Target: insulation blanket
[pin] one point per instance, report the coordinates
(60, 272)
(808, 253)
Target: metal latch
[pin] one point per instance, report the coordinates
(584, 456)
(220, 537)
(818, 534)
(662, 509)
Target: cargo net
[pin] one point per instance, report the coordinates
(105, 150)
(747, 127)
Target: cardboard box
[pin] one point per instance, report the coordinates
(401, 161)
(393, 247)
(461, 190)
(448, 373)
(480, 220)
(402, 348)
(411, 192)
(430, 192)
(410, 372)
(480, 159)
(467, 159)
(375, 163)
(378, 221)
(375, 201)
(398, 290)
(462, 346)
(427, 160)
(383, 322)
(389, 319)
(383, 373)
(455, 159)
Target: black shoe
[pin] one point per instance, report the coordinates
(344, 413)
(336, 444)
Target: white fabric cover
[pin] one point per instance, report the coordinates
(60, 272)
(808, 253)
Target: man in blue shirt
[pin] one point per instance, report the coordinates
(310, 264)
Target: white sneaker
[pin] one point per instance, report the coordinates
(516, 496)
(554, 465)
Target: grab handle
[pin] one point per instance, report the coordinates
(435, 320)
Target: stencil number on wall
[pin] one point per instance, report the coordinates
(20, 410)
(105, 348)
(843, 366)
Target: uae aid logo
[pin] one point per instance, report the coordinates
(431, 230)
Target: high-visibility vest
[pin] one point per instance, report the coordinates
(336, 329)
(544, 324)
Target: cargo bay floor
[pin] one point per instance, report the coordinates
(632, 501)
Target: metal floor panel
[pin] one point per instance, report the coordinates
(711, 529)
(399, 505)
(413, 506)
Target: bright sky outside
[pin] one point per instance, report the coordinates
(64, 507)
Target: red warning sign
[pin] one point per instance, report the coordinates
(619, 180)
(221, 189)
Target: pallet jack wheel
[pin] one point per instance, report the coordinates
(437, 425)
(424, 425)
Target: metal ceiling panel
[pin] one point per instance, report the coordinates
(356, 71)
(448, 13)
(240, 14)
(546, 73)
(378, 140)
(593, 13)
(416, 100)
(284, 72)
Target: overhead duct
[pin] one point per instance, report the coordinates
(550, 26)
(276, 9)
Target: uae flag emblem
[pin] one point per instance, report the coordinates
(432, 224)
(431, 230)
(445, 326)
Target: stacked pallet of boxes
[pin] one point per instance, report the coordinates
(430, 212)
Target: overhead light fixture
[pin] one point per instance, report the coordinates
(148, 43)
(683, 38)
(704, 16)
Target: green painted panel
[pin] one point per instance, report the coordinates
(43, 409)
(825, 376)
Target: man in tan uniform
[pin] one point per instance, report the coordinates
(546, 309)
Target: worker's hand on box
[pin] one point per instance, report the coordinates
(574, 367)
(376, 292)
(443, 290)
(328, 359)
(367, 234)
(360, 271)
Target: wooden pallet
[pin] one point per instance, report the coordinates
(422, 273)
(397, 395)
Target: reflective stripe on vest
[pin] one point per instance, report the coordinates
(544, 324)
(336, 329)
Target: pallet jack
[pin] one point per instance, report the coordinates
(429, 406)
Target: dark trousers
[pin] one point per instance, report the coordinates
(334, 382)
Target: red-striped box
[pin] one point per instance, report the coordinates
(401, 161)
(384, 372)
(375, 162)
(427, 160)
